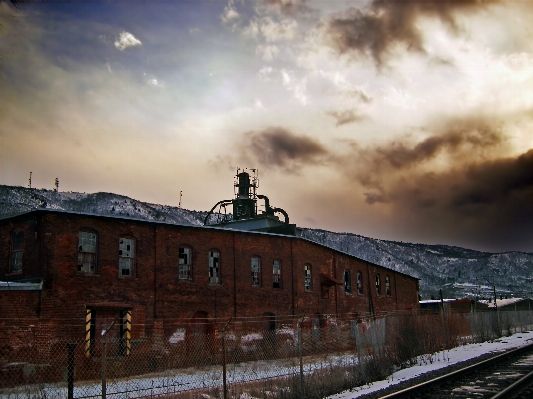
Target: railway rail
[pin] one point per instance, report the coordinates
(505, 376)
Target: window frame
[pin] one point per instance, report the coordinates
(132, 259)
(378, 284)
(256, 275)
(185, 266)
(16, 254)
(359, 282)
(277, 277)
(308, 277)
(347, 278)
(218, 279)
(81, 252)
(388, 290)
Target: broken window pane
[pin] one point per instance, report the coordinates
(256, 272)
(126, 259)
(184, 260)
(16, 252)
(86, 252)
(307, 277)
(276, 274)
(214, 267)
(347, 281)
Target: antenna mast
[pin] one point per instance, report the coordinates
(29, 185)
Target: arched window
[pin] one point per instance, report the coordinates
(308, 281)
(256, 271)
(214, 267)
(387, 285)
(17, 249)
(126, 257)
(359, 283)
(87, 251)
(347, 281)
(276, 274)
(378, 284)
(185, 263)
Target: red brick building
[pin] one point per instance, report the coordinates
(62, 270)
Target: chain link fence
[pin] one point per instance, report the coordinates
(267, 357)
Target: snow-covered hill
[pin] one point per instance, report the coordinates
(459, 272)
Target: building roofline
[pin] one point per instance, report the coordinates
(163, 223)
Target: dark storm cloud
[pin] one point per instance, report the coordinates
(457, 185)
(377, 30)
(492, 182)
(462, 134)
(281, 148)
(485, 205)
(345, 117)
(460, 140)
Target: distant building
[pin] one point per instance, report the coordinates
(511, 304)
(453, 305)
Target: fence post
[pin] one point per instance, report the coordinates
(104, 344)
(104, 384)
(70, 371)
(300, 354)
(224, 366)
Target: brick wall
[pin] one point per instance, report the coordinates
(154, 293)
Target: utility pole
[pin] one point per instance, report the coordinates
(29, 185)
(181, 193)
(56, 185)
(493, 290)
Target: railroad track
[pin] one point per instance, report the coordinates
(505, 376)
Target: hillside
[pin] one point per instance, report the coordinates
(459, 272)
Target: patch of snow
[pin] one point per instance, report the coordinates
(440, 360)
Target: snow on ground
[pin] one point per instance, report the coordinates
(440, 360)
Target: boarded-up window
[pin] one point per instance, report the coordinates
(276, 274)
(185, 263)
(17, 249)
(256, 271)
(378, 284)
(126, 257)
(116, 324)
(87, 252)
(214, 267)
(308, 282)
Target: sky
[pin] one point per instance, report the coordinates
(402, 120)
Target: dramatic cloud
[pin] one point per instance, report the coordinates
(495, 181)
(455, 182)
(126, 40)
(486, 204)
(280, 148)
(272, 31)
(376, 31)
(269, 52)
(345, 117)
(289, 7)
(461, 136)
(431, 148)
(460, 141)
(230, 13)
